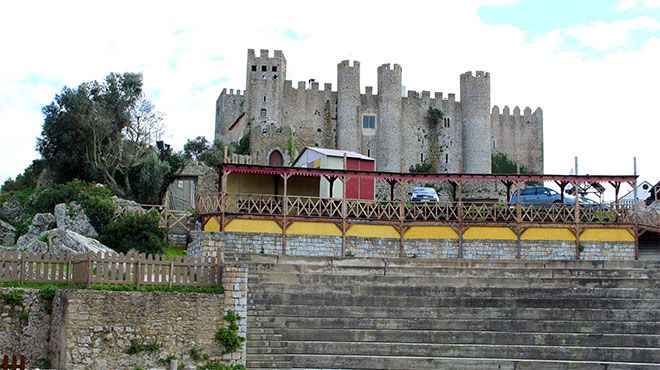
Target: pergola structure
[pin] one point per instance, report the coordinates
(283, 198)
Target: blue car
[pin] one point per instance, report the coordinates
(539, 195)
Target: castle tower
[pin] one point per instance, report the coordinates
(348, 106)
(388, 125)
(264, 97)
(475, 109)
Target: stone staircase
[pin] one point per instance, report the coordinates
(325, 313)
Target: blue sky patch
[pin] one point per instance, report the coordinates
(292, 35)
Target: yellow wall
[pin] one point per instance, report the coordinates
(489, 233)
(253, 226)
(547, 233)
(373, 231)
(607, 235)
(431, 232)
(212, 224)
(246, 183)
(313, 228)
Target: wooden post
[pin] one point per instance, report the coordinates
(635, 210)
(344, 217)
(577, 216)
(459, 187)
(285, 210)
(402, 214)
(22, 270)
(138, 271)
(223, 198)
(88, 282)
(171, 277)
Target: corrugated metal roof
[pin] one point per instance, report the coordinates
(339, 153)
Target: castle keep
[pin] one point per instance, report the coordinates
(387, 125)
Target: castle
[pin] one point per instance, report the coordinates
(392, 128)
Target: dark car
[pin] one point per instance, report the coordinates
(421, 194)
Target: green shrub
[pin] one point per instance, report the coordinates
(99, 209)
(47, 293)
(13, 297)
(228, 336)
(217, 365)
(139, 347)
(138, 231)
(197, 354)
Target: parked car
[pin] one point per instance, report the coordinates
(592, 204)
(421, 194)
(539, 195)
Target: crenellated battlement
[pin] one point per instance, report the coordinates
(527, 115)
(477, 74)
(424, 97)
(304, 86)
(231, 92)
(347, 64)
(265, 54)
(389, 67)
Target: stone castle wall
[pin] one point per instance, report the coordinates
(333, 119)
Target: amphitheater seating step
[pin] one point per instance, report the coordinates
(329, 313)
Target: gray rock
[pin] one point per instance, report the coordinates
(125, 205)
(72, 217)
(11, 210)
(40, 223)
(7, 234)
(62, 241)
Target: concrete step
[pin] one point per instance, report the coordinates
(450, 281)
(504, 337)
(586, 315)
(456, 271)
(273, 260)
(472, 292)
(269, 324)
(449, 363)
(371, 300)
(582, 353)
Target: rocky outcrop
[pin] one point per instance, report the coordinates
(10, 210)
(40, 223)
(7, 234)
(62, 241)
(72, 217)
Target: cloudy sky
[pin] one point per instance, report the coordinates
(591, 65)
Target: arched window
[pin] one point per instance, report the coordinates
(276, 158)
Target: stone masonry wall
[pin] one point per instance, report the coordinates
(228, 245)
(25, 328)
(98, 327)
(608, 251)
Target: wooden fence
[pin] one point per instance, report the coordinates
(111, 269)
(15, 363)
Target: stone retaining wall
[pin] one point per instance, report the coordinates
(229, 244)
(93, 329)
(25, 327)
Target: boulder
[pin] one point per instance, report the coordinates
(40, 223)
(7, 234)
(63, 241)
(72, 217)
(125, 205)
(11, 210)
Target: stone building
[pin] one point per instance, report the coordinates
(388, 125)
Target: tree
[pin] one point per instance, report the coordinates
(194, 148)
(99, 131)
(433, 118)
(501, 163)
(422, 167)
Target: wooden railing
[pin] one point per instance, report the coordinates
(110, 269)
(169, 219)
(444, 212)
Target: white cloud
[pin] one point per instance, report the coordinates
(597, 109)
(632, 4)
(604, 36)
